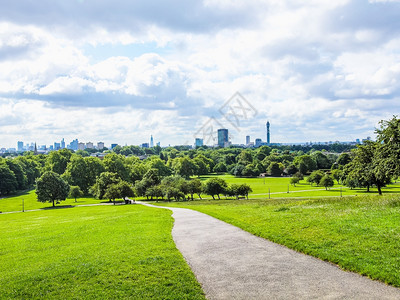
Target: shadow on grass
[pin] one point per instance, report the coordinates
(57, 207)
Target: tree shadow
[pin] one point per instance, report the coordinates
(57, 207)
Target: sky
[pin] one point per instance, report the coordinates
(121, 71)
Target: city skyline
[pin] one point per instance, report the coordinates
(122, 71)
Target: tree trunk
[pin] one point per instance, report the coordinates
(53, 204)
(379, 189)
(213, 197)
(219, 197)
(367, 188)
(200, 196)
(75, 199)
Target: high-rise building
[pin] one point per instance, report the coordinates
(113, 146)
(247, 140)
(268, 136)
(151, 142)
(258, 142)
(100, 145)
(62, 144)
(56, 146)
(20, 146)
(89, 145)
(73, 145)
(223, 140)
(145, 145)
(198, 142)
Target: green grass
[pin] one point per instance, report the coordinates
(14, 203)
(101, 252)
(277, 187)
(360, 234)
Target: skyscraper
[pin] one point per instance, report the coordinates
(20, 146)
(223, 137)
(268, 136)
(247, 139)
(198, 142)
(62, 144)
(151, 142)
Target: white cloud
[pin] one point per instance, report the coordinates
(307, 66)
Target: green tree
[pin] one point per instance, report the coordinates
(105, 179)
(185, 167)
(115, 163)
(195, 187)
(220, 167)
(57, 161)
(75, 192)
(51, 188)
(16, 167)
(294, 180)
(215, 186)
(315, 177)
(274, 169)
(8, 182)
(326, 181)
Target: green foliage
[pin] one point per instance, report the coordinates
(115, 163)
(326, 181)
(50, 188)
(8, 182)
(215, 186)
(185, 167)
(57, 161)
(275, 169)
(315, 177)
(294, 180)
(105, 179)
(75, 192)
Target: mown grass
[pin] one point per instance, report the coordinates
(101, 252)
(29, 200)
(360, 234)
(278, 187)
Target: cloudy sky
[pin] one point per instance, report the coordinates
(120, 71)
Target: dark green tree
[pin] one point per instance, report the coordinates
(51, 188)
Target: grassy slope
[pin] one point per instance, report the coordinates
(14, 203)
(261, 187)
(360, 234)
(93, 253)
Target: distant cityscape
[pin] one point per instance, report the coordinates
(223, 141)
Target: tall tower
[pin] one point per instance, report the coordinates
(268, 137)
(223, 139)
(151, 142)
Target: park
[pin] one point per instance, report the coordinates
(66, 231)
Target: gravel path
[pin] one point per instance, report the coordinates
(233, 264)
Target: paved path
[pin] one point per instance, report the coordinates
(233, 264)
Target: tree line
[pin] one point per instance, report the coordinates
(168, 173)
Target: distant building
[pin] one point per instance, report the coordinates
(158, 144)
(223, 140)
(198, 142)
(20, 146)
(62, 144)
(100, 145)
(73, 145)
(145, 145)
(57, 146)
(81, 146)
(268, 134)
(151, 142)
(258, 142)
(113, 146)
(247, 140)
(89, 145)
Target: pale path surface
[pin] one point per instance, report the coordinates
(230, 263)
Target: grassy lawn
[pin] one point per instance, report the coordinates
(360, 234)
(101, 252)
(14, 203)
(277, 187)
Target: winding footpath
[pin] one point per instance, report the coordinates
(230, 263)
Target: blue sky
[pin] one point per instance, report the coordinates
(120, 71)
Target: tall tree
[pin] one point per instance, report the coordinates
(51, 188)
